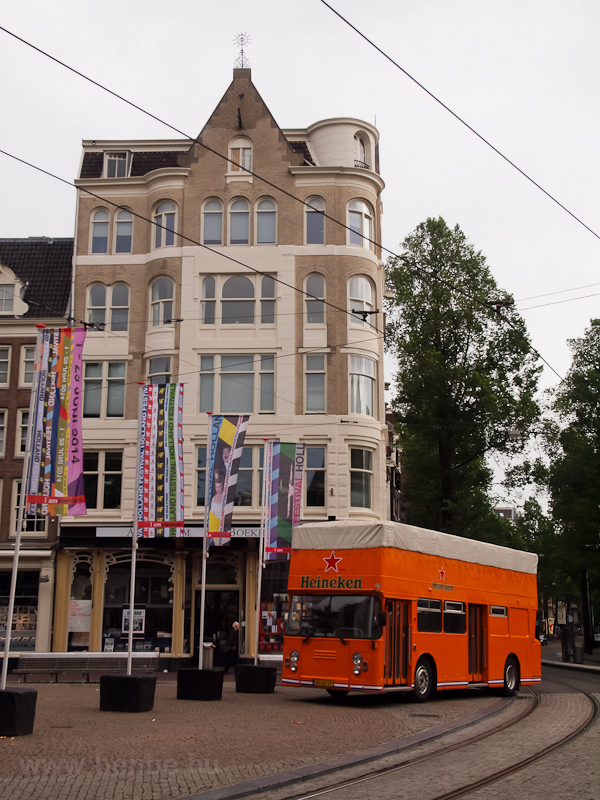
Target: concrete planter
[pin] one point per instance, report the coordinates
(200, 684)
(17, 711)
(129, 693)
(251, 679)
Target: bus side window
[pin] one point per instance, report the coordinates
(429, 615)
(455, 618)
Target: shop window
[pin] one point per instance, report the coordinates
(361, 478)
(243, 383)
(315, 221)
(102, 478)
(315, 384)
(315, 477)
(213, 222)
(24, 621)
(104, 389)
(362, 385)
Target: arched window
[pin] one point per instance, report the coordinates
(164, 219)
(315, 221)
(124, 236)
(208, 300)
(360, 221)
(360, 297)
(213, 222)
(315, 307)
(239, 222)
(119, 309)
(266, 222)
(162, 302)
(240, 153)
(97, 304)
(360, 153)
(362, 385)
(100, 231)
(237, 306)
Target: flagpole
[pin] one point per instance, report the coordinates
(134, 533)
(204, 543)
(21, 512)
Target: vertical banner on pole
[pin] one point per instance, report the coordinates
(285, 468)
(226, 444)
(55, 477)
(160, 500)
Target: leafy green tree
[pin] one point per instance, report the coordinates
(574, 472)
(466, 380)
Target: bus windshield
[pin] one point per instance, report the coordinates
(334, 616)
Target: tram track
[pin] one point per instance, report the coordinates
(439, 753)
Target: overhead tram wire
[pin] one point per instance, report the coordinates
(449, 284)
(462, 121)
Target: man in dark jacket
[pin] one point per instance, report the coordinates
(232, 646)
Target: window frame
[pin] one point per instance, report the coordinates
(118, 157)
(212, 213)
(160, 303)
(93, 237)
(358, 379)
(107, 383)
(158, 373)
(230, 211)
(357, 303)
(39, 522)
(23, 360)
(8, 359)
(309, 213)
(101, 472)
(9, 309)
(313, 507)
(160, 229)
(242, 149)
(315, 299)
(367, 472)
(3, 430)
(21, 433)
(211, 394)
(260, 217)
(263, 300)
(362, 235)
(256, 480)
(114, 307)
(308, 371)
(429, 610)
(117, 223)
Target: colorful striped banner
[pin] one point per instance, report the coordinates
(55, 479)
(160, 504)
(227, 435)
(285, 467)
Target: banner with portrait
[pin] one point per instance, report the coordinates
(285, 468)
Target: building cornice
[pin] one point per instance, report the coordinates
(349, 174)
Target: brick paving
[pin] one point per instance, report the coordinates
(185, 747)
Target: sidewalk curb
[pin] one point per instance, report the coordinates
(569, 665)
(279, 781)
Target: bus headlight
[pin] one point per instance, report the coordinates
(294, 667)
(357, 659)
(295, 655)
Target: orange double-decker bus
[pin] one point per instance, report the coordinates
(383, 606)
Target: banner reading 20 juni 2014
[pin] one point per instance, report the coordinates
(55, 479)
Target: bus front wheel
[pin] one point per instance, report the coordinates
(511, 677)
(424, 680)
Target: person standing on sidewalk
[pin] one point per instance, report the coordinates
(232, 646)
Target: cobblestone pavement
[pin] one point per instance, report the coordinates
(185, 747)
(570, 772)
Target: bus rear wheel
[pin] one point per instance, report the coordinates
(424, 687)
(511, 677)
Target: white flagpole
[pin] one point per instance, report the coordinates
(204, 545)
(21, 513)
(261, 542)
(134, 533)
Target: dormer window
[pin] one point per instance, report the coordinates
(360, 153)
(7, 295)
(117, 165)
(11, 291)
(240, 152)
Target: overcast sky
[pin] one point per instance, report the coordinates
(523, 73)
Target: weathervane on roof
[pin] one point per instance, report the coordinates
(242, 40)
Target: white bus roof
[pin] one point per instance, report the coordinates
(350, 534)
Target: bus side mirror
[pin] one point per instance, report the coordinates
(381, 619)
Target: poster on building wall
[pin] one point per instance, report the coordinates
(80, 616)
(285, 468)
(55, 479)
(226, 442)
(139, 620)
(160, 461)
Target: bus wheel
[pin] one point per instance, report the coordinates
(511, 677)
(423, 680)
(338, 694)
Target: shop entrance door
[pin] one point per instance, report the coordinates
(222, 610)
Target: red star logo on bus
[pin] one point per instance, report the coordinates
(332, 562)
(442, 572)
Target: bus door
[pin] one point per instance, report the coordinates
(397, 635)
(476, 635)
